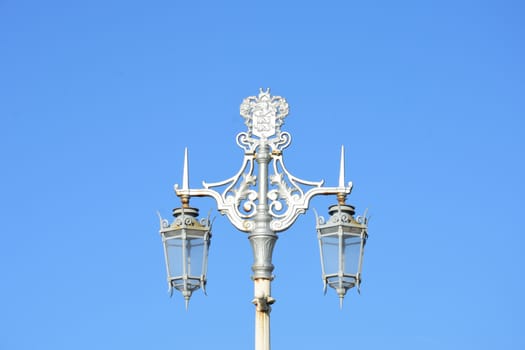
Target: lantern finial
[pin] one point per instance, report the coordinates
(187, 295)
(185, 199)
(342, 168)
(341, 196)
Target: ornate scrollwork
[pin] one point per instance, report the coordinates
(363, 219)
(340, 217)
(185, 221)
(246, 142)
(288, 196)
(205, 221)
(319, 220)
(244, 193)
(279, 143)
(163, 222)
(238, 195)
(288, 199)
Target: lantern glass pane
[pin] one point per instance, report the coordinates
(352, 253)
(174, 251)
(330, 246)
(194, 256)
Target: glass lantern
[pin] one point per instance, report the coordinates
(341, 243)
(186, 242)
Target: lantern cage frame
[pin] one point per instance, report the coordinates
(342, 226)
(180, 234)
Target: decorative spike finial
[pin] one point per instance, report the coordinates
(342, 168)
(341, 197)
(341, 291)
(187, 295)
(185, 179)
(185, 199)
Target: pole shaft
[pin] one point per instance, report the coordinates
(262, 314)
(262, 240)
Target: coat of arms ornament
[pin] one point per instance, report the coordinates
(264, 114)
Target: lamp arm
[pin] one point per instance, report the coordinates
(289, 193)
(236, 194)
(300, 205)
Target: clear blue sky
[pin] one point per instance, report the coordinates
(99, 98)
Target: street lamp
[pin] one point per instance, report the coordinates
(186, 242)
(262, 199)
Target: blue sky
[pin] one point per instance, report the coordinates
(99, 98)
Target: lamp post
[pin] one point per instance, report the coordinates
(262, 199)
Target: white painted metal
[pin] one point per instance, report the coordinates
(263, 302)
(265, 202)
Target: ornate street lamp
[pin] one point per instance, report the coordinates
(186, 243)
(342, 242)
(262, 199)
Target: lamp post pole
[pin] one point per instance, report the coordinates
(260, 203)
(262, 239)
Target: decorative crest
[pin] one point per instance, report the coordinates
(264, 114)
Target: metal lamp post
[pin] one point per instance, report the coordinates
(262, 199)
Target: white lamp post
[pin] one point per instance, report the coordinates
(262, 199)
